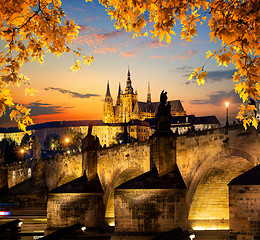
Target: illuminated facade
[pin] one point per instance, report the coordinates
(14, 134)
(129, 108)
(106, 132)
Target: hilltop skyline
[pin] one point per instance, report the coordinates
(64, 95)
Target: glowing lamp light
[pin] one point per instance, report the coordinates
(67, 140)
(20, 224)
(227, 104)
(22, 150)
(227, 124)
(192, 236)
(68, 151)
(83, 229)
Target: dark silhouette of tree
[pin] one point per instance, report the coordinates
(75, 140)
(26, 141)
(9, 150)
(53, 142)
(119, 138)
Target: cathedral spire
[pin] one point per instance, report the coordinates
(128, 88)
(149, 100)
(118, 95)
(108, 90)
(108, 114)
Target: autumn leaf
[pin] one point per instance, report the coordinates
(30, 91)
(76, 66)
(28, 30)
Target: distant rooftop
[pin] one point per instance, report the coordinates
(188, 120)
(176, 120)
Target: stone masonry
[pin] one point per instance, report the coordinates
(206, 160)
(244, 205)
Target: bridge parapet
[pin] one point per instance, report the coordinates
(18, 173)
(193, 149)
(60, 170)
(111, 162)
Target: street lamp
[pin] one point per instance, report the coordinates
(67, 140)
(227, 105)
(22, 154)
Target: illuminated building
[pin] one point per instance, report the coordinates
(129, 108)
(106, 132)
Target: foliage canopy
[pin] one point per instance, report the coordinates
(235, 23)
(32, 27)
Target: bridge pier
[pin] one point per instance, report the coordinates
(89, 163)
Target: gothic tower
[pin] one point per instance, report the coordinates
(118, 101)
(118, 106)
(108, 114)
(129, 89)
(129, 100)
(149, 99)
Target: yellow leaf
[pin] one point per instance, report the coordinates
(209, 54)
(30, 91)
(236, 77)
(161, 36)
(190, 77)
(254, 123)
(13, 114)
(167, 38)
(21, 126)
(245, 124)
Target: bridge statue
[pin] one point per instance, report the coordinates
(36, 146)
(90, 145)
(163, 117)
(90, 142)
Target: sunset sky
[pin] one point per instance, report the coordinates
(64, 95)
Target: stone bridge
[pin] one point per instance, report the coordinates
(207, 162)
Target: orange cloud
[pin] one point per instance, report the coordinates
(185, 55)
(86, 29)
(127, 54)
(158, 57)
(106, 48)
(91, 19)
(184, 44)
(153, 44)
(98, 41)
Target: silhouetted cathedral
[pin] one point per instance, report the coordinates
(129, 108)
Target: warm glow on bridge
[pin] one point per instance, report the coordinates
(210, 228)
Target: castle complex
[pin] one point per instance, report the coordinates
(128, 107)
(126, 111)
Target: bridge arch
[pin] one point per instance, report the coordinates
(65, 178)
(207, 196)
(122, 174)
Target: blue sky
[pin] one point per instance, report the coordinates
(64, 95)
